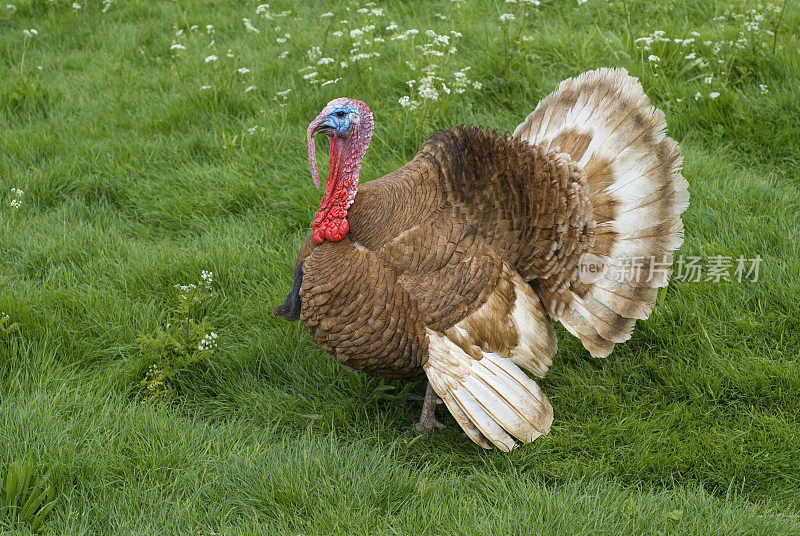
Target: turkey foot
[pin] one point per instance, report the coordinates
(427, 421)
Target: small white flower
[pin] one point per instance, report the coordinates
(763, 88)
(30, 33)
(283, 55)
(311, 75)
(392, 26)
(209, 28)
(355, 33)
(326, 15)
(11, 7)
(248, 89)
(406, 102)
(653, 57)
(243, 70)
(325, 61)
(76, 6)
(177, 46)
(211, 58)
(690, 56)
(713, 95)
(249, 27)
(203, 88)
(477, 85)
(506, 17)
(179, 33)
(261, 9)
(283, 93)
(338, 33)
(528, 38)
(708, 79)
(326, 82)
(698, 96)
(193, 27)
(343, 64)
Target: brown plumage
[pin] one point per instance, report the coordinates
(453, 263)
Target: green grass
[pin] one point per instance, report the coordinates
(136, 179)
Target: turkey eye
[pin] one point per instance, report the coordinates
(341, 115)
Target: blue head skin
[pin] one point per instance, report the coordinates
(339, 120)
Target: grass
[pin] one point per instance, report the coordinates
(136, 179)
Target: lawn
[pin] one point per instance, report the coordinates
(152, 141)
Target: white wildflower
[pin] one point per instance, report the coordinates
(280, 40)
(11, 7)
(283, 55)
(207, 277)
(763, 88)
(311, 75)
(690, 56)
(261, 9)
(477, 85)
(325, 61)
(376, 12)
(653, 57)
(326, 82)
(338, 33)
(193, 27)
(326, 15)
(355, 33)
(211, 58)
(343, 64)
(107, 5)
(208, 343)
(283, 93)
(249, 27)
(179, 33)
(406, 102)
(696, 34)
(248, 89)
(708, 80)
(17, 201)
(363, 10)
(713, 95)
(243, 70)
(76, 6)
(209, 28)
(506, 17)
(177, 46)
(30, 33)
(698, 96)
(528, 38)
(392, 26)
(203, 88)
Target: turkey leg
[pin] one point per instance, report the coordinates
(427, 421)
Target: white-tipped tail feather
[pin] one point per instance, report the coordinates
(490, 398)
(603, 120)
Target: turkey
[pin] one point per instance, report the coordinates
(451, 267)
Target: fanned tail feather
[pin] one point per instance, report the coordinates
(603, 120)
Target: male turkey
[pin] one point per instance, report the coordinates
(449, 267)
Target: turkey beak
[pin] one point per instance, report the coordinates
(317, 125)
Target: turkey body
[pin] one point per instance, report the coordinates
(455, 263)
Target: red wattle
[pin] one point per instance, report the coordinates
(344, 163)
